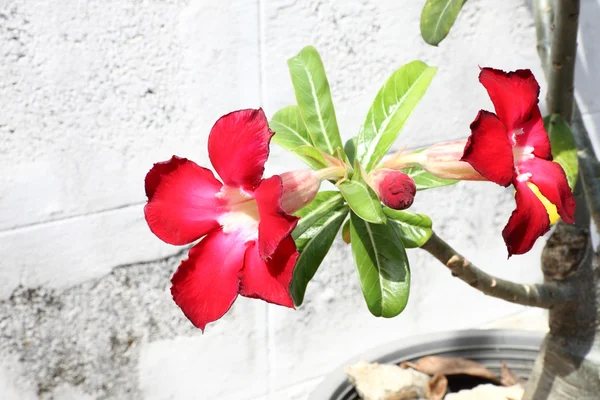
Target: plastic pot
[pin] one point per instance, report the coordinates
(518, 349)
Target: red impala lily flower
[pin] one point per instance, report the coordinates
(246, 247)
(512, 147)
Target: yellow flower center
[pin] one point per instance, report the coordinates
(242, 213)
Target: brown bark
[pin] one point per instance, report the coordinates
(569, 363)
(542, 296)
(568, 366)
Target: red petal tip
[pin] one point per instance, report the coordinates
(270, 280)
(182, 205)
(206, 285)
(238, 147)
(488, 149)
(527, 223)
(514, 94)
(159, 169)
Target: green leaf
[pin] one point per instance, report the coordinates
(323, 204)
(382, 266)
(437, 18)
(314, 99)
(363, 201)
(350, 149)
(414, 229)
(425, 180)
(361, 198)
(391, 108)
(564, 149)
(290, 130)
(316, 244)
(311, 156)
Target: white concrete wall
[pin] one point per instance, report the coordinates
(92, 92)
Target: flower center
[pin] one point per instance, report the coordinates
(522, 153)
(241, 213)
(517, 132)
(522, 177)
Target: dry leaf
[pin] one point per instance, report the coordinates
(435, 365)
(386, 382)
(489, 392)
(507, 377)
(436, 388)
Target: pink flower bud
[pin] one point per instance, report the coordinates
(299, 189)
(395, 189)
(442, 160)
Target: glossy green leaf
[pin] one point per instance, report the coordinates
(437, 19)
(323, 204)
(382, 266)
(363, 201)
(425, 180)
(311, 156)
(361, 198)
(350, 149)
(414, 229)
(564, 148)
(314, 99)
(315, 245)
(391, 108)
(290, 130)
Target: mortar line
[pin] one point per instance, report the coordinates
(18, 228)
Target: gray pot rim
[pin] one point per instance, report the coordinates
(427, 344)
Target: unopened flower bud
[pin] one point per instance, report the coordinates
(395, 189)
(299, 189)
(442, 160)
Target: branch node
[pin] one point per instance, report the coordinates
(543, 295)
(454, 262)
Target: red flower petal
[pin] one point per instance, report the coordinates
(534, 135)
(269, 280)
(550, 178)
(514, 94)
(182, 206)
(275, 224)
(238, 146)
(528, 221)
(488, 149)
(206, 284)
(154, 176)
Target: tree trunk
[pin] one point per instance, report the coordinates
(568, 366)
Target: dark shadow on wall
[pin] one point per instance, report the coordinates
(587, 68)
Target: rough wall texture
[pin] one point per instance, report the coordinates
(93, 92)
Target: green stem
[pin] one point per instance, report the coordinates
(543, 14)
(561, 70)
(335, 173)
